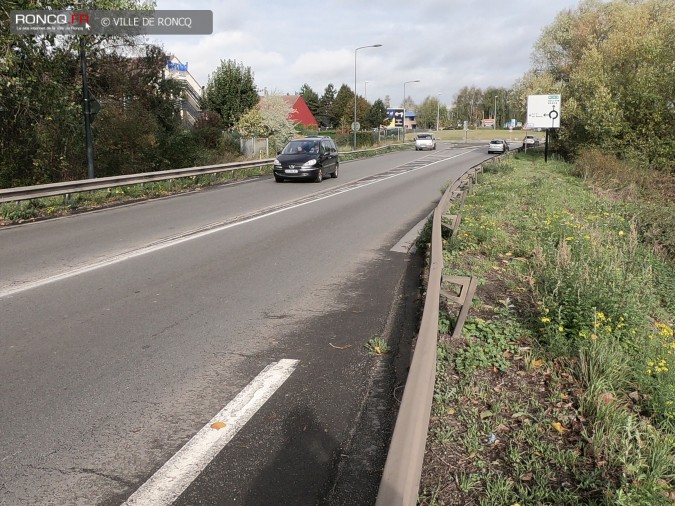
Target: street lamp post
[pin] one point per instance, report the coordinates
(365, 90)
(407, 82)
(355, 93)
(494, 125)
(438, 110)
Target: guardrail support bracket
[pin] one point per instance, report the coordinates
(463, 297)
(452, 223)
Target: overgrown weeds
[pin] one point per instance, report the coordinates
(562, 387)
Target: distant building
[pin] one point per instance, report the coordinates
(189, 102)
(302, 113)
(410, 120)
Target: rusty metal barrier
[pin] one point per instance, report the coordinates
(403, 468)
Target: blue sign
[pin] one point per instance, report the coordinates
(180, 67)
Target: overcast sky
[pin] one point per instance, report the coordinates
(446, 44)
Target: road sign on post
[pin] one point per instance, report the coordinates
(543, 111)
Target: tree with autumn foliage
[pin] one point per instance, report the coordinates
(613, 64)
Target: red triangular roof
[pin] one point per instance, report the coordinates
(302, 113)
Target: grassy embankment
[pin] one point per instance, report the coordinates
(562, 387)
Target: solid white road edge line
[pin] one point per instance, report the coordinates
(171, 480)
(157, 247)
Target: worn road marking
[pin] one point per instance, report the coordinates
(167, 484)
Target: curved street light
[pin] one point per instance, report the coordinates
(407, 82)
(355, 93)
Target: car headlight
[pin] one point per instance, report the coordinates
(309, 163)
(276, 162)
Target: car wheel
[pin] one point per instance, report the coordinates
(278, 179)
(334, 174)
(319, 176)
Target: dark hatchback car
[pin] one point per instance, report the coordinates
(310, 158)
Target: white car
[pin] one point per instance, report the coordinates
(530, 141)
(498, 146)
(425, 141)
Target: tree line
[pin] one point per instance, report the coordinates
(612, 63)
(610, 60)
(335, 108)
(139, 127)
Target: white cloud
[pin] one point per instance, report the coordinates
(447, 44)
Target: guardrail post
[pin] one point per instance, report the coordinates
(463, 297)
(462, 199)
(455, 220)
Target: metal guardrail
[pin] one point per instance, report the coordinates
(55, 189)
(403, 468)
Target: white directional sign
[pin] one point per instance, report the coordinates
(543, 111)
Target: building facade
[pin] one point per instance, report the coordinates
(192, 92)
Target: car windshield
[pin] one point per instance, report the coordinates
(424, 136)
(495, 142)
(300, 147)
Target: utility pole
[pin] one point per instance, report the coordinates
(86, 110)
(355, 93)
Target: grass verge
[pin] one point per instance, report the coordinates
(561, 389)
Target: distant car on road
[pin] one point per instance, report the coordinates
(498, 146)
(310, 158)
(425, 141)
(530, 141)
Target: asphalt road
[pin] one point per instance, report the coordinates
(124, 331)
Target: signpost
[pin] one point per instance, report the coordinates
(543, 111)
